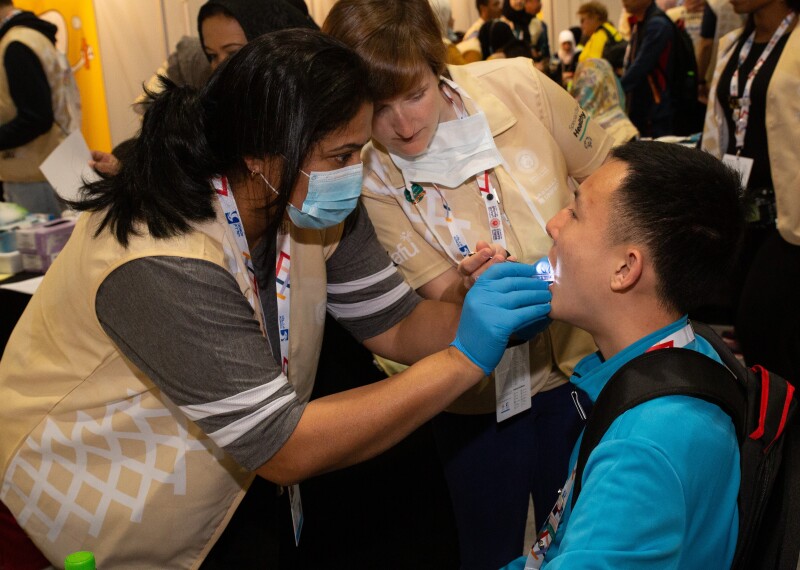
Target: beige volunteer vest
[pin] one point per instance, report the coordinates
(783, 105)
(94, 457)
(21, 164)
(519, 110)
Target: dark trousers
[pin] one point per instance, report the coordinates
(492, 469)
(768, 319)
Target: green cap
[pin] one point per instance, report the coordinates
(80, 561)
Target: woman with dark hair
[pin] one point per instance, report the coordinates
(752, 117)
(226, 25)
(158, 370)
(470, 160)
(494, 35)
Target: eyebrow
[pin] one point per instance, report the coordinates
(348, 146)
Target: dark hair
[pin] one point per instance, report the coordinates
(493, 35)
(4, 3)
(276, 97)
(400, 41)
(517, 48)
(684, 206)
(794, 5)
(256, 17)
(479, 3)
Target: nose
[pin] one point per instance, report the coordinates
(554, 225)
(403, 126)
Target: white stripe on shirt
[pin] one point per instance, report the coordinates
(233, 431)
(370, 306)
(236, 402)
(363, 283)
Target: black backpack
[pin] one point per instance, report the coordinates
(689, 112)
(614, 50)
(764, 409)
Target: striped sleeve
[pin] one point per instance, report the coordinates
(366, 293)
(186, 325)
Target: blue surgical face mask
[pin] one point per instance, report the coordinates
(331, 197)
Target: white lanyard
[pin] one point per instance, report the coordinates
(547, 534)
(228, 204)
(414, 193)
(741, 113)
(493, 212)
(283, 292)
(488, 195)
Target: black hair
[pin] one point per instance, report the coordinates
(517, 48)
(257, 17)
(277, 97)
(479, 3)
(684, 206)
(493, 35)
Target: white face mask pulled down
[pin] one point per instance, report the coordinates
(458, 150)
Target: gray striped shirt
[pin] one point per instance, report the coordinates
(186, 325)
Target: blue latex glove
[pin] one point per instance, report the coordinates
(504, 300)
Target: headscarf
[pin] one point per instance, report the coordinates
(257, 17)
(520, 18)
(597, 90)
(566, 36)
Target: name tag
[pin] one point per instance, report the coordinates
(512, 382)
(741, 164)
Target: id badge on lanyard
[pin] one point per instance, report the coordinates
(741, 104)
(547, 534)
(283, 259)
(282, 289)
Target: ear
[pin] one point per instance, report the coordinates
(628, 270)
(254, 165)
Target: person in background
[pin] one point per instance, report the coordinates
(689, 16)
(469, 46)
(187, 65)
(719, 19)
(35, 111)
(567, 59)
(596, 30)
(514, 48)
(753, 113)
(224, 26)
(597, 90)
(494, 36)
(514, 12)
(155, 325)
(620, 248)
(444, 15)
(648, 71)
(227, 25)
(537, 30)
(454, 171)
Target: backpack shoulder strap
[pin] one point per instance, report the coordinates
(667, 372)
(611, 39)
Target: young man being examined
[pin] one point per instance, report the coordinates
(648, 237)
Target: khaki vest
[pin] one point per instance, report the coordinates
(783, 108)
(544, 136)
(21, 164)
(94, 457)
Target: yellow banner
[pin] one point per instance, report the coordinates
(77, 38)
